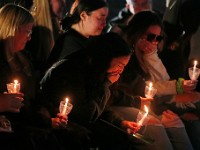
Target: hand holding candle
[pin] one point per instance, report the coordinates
(13, 87)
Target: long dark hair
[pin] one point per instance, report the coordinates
(102, 50)
(84, 5)
(139, 24)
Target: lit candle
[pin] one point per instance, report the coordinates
(194, 69)
(140, 123)
(15, 86)
(149, 90)
(65, 107)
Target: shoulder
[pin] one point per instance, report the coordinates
(72, 37)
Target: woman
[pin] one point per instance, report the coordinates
(143, 34)
(144, 39)
(85, 79)
(15, 32)
(88, 19)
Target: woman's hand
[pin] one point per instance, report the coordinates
(60, 121)
(146, 46)
(145, 101)
(11, 102)
(170, 119)
(192, 96)
(131, 127)
(189, 85)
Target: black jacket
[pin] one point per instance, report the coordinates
(72, 78)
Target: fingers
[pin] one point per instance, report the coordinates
(16, 105)
(146, 99)
(168, 114)
(147, 47)
(14, 94)
(189, 85)
(61, 116)
(59, 123)
(19, 98)
(131, 127)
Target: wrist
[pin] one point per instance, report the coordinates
(179, 84)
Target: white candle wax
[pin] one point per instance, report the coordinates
(194, 69)
(149, 89)
(140, 123)
(65, 107)
(15, 86)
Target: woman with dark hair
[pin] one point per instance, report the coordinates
(85, 77)
(88, 19)
(144, 39)
(143, 34)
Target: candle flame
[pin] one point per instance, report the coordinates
(66, 101)
(195, 63)
(146, 109)
(150, 86)
(15, 81)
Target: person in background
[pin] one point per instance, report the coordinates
(181, 48)
(47, 15)
(132, 7)
(87, 20)
(57, 7)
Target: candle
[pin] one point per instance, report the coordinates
(149, 90)
(194, 69)
(13, 87)
(63, 112)
(150, 86)
(140, 123)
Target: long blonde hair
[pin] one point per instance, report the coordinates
(41, 13)
(42, 17)
(12, 17)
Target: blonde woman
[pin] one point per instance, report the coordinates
(15, 32)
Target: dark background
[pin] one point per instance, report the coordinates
(114, 5)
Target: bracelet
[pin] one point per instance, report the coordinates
(179, 83)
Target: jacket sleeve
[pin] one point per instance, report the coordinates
(88, 103)
(159, 74)
(155, 66)
(95, 107)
